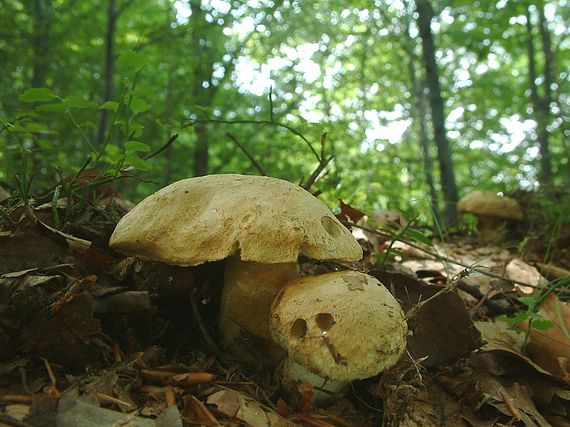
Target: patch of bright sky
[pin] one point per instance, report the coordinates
(257, 79)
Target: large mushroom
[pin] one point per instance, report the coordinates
(336, 328)
(261, 224)
(493, 211)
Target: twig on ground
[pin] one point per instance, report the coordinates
(207, 338)
(455, 280)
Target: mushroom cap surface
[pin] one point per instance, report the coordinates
(210, 218)
(342, 326)
(488, 203)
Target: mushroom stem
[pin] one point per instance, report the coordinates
(491, 229)
(292, 374)
(249, 289)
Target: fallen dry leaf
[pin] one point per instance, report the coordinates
(442, 330)
(237, 405)
(520, 271)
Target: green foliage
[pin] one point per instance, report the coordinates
(178, 62)
(534, 320)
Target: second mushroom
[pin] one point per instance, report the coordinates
(336, 328)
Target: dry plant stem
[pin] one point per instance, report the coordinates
(12, 422)
(452, 285)
(249, 289)
(438, 256)
(209, 341)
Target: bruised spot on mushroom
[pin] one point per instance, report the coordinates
(330, 226)
(299, 329)
(325, 321)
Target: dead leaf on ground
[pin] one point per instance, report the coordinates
(521, 272)
(442, 330)
(237, 405)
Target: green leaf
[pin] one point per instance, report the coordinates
(417, 236)
(136, 162)
(133, 146)
(52, 108)
(138, 105)
(136, 129)
(110, 105)
(542, 325)
(88, 124)
(530, 302)
(30, 128)
(37, 94)
(131, 60)
(75, 101)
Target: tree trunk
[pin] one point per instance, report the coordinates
(109, 67)
(203, 90)
(539, 105)
(201, 150)
(40, 41)
(42, 16)
(419, 114)
(448, 185)
(546, 159)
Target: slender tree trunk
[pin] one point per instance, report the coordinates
(420, 114)
(168, 109)
(448, 185)
(109, 67)
(205, 59)
(40, 41)
(200, 96)
(201, 150)
(41, 18)
(547, 96)
(540, 106)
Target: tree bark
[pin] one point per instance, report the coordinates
(40, 41)
(419, 114)
(109, 67)
(448, 185)
(546, 156)
(203, 90)
(539, 105)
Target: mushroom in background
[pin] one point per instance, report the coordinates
(492, 211)
(261, 224)
(336, 328)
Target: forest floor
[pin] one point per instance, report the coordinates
(91, 337)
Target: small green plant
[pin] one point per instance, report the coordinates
(531, 315)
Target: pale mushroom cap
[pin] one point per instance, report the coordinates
(210, 218)
(342, 326)
(488, 203)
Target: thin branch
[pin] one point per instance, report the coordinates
(248, 155)
(294, 131)
(161, 149)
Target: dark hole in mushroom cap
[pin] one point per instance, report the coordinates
(299, 328)
(331, 226)
(324, 321)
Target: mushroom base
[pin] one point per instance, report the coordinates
(491, 229)
(249, 289)
(291, 375)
